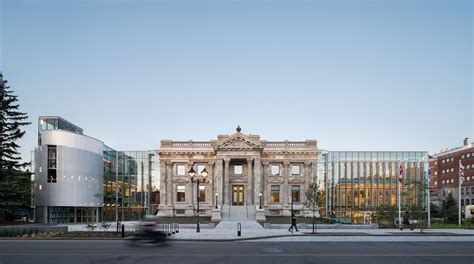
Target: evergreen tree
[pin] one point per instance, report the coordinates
(449, 209)
(14, 182)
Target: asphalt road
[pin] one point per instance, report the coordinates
(104, 252)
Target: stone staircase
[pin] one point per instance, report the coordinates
(238, 213)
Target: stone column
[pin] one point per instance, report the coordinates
(307, 175)
(226, 196)
(258, 179)
(190, 197)
(265, 183)
(286, 189)
(219, 180)
(163, 189)
(250, 181)
(210, 186)
(169, 184)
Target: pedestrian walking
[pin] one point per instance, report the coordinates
(406, 221)
(293, 223)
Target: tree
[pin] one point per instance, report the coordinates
(312, 199)
(385, 215)
(449, 209)
(14, 181)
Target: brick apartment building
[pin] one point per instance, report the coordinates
(444, 168)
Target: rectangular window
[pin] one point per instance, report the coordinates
(180, 169)
(467, 201)
(200, 168)
(468, 191)
(436, 173)
(295, 193)
(52, 163)
(180, 193)
(462, 191)
(275, 170)
(275, 193)
(202, 193)
(237, 169)
(295, 170)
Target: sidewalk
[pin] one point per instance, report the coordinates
(252, 231)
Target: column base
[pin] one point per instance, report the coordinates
(260, 215)
(216, 215)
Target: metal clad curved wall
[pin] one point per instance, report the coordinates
(79, 170)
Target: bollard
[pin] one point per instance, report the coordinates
(169, 229)
(239, 229)
(123, 230)
(177, 227)
(173, 228)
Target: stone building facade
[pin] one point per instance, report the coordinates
(243, 172)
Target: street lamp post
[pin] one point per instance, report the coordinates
(260, 195)
(192, 173)
(216, 199)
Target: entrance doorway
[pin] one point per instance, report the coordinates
(237, 194)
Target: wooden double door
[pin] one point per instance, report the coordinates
(238, 196)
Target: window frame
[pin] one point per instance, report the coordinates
(277, 166)
(181, 191)
(296, 166)
(178, 166)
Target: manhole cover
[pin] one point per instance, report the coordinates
(272, 250)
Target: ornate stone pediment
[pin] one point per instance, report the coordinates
(238, 141)
(239, 180)
(275, 180)
(296, 180)
(180, 179)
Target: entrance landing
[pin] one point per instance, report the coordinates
(232, 225)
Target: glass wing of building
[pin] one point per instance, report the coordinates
(355, 184)
(131, 184)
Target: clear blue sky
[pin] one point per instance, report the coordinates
(354, 75)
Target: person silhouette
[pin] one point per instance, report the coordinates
(293, 223)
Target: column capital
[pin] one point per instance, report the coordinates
(226, 160)
(249, 160)
(286, 163)
(308, 163)
(266, 163)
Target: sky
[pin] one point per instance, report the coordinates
(354, 75)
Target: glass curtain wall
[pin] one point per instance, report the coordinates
(355, 184)
(131, 185)
(110, 194)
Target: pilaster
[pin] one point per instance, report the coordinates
(250, 181)
(258, 179)
(265, 183)
(169, 184)
(286, 189)
(219, 180)
(226, 196)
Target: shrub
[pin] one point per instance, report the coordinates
(91, 226)
(105, 226)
